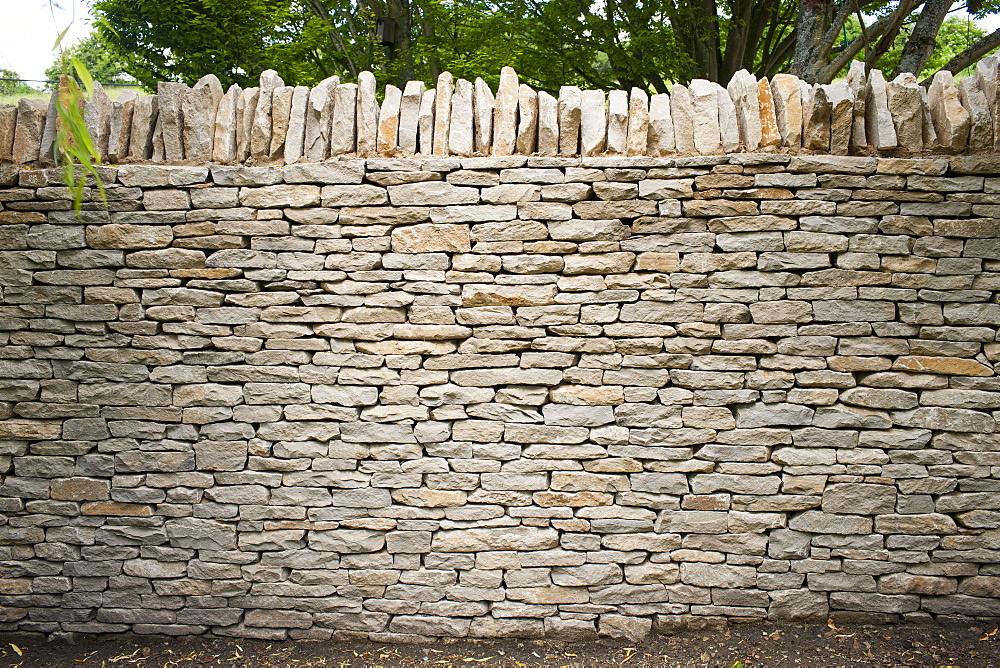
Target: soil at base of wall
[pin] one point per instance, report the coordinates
(752, 645)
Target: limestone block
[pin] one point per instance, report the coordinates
(200, 106)
(28, 133)
(527, 124)
(442, 112)
(879, 127)
(409, 112)
(367, 115)
(769, 135)
(224, 143)
(319, 117)
(743, 90)
(857, 81)
(569, 120)
(343, 128)
(785, 92)
(8, 125)
(483, 102)
(505, 113)
(816, 117)
(617, 133)
(989, 81)
(729, 126)
(661, 127)
(245, 110)
(906, 110)
(119, 129)
(705, 107)
(682, 115)
(388, 121)
(980, 121)
(171, 99)
(638, 122)
(297, 117)
(929, 132)
(425, 122)
(841, 117)
(281, 112)
(260, 130)
(548, 124)
(951, 120)
(97, 117)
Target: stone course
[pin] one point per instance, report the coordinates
(514, 396)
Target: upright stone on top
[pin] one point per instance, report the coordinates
(980, 122)
(682, 114)
(295, 139)
(388, 120)
(593, 123)
(200, 106)
(482, 109)
(343, 127)
(281, 115)
(460, 133)
(569, 120)
(857, 81)
(929, 133)
(97, 117)
(548, 124)
(245, 111)
(260, 131)
(171, 119)
(743, 89)
(661, 127)
(841, 117)
(144, 115)
(505, 113)
(769, 135)
(787, 109)
(29, 129)
(907, 111)
(121, 127)
(617, 121)
(729, 125)
(8, 126)
(989, 80)
(425, 122)
(816, 116)
(224, 132)
(705, 115)
(442, 112)
(527, 124)
(367, 119)
(319, 117)
(638, 122)
(409, 113)
(951, 120)
(880, 130)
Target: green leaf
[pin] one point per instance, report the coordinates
(84, 74)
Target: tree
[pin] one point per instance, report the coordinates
(162, 40)
(103, 64)
(10, 84)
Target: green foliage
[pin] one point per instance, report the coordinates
(956, 34)
(103, 64)
(14, 88)
(182, 40)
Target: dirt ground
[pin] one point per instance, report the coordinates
(742, 646)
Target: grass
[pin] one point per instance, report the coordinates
(112, 91)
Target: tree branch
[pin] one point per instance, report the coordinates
(969, 55)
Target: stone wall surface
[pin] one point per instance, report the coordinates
(512, 396)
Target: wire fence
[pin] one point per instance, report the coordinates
(44, 81)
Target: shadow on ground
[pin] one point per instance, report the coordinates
(754, 645)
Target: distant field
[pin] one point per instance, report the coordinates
(112, 91)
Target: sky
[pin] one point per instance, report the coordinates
(30, 31)
(31, 28)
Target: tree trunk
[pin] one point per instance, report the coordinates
(970, 55)
(810, 26)
(920, 44)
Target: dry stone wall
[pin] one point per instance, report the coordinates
(512, 396)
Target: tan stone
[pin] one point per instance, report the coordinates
(956, 366)
(769, 135)
(527, 125)
(661, 126)
(816, 114)
(296, 135)
(129, 236)
(245, 110)
(80, 489)
(548, 124)
(505, 113)
(593, 122)
(8, 125)
(429, 498)
(200, 106)
(281, 113)
(430, 238)
(29, 129)
(857, 81)
(319, 116)
(224, 142)
(425, 122)
(409, 113)
(617, 122)
(388, 121)
(682, 115)
(116, 509)
(787, 109)
(367, 115)
(906, 110)
(951, 120)
(569, 120)
(442, 112)
(744, 91)
(980, 123)
(705, 117)
(879, 127)
(841, 117)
